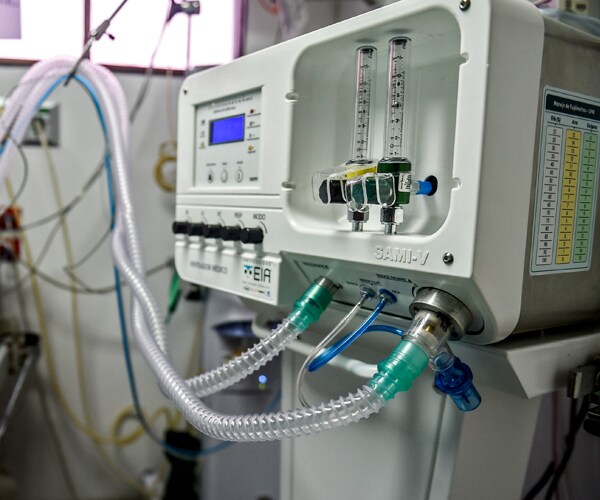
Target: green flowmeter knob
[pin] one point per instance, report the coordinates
(401, 169)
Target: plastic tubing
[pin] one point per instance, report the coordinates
(385, 298)
(396, 373)
(366, 295)
(344, 343)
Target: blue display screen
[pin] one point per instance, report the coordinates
(225, 130)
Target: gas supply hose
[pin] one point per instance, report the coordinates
(395, 373)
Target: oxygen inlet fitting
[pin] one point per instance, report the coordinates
(437, 317)
(310, 306)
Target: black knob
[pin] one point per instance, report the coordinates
(212, 231)
(231, 233)
(195, 229)
(252, 235)
(180, 227)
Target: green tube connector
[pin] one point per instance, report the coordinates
(398, 372)
(311, 305)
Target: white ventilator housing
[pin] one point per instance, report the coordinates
(502, 108)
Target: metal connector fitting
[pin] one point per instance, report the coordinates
(327, 284)
(432, 299)
(391, 217)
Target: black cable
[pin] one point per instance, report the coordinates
(576, 421)
(37, 262)
(84, 290)
(88, 255)
(541, 483)
(552, 472)
(96, 174)
(141, 96)
(95, 35)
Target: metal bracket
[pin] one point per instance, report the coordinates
(585, 380)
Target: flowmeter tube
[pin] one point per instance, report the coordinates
(395, 136)
(394, 159)
(366, 62)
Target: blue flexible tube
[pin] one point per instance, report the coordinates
(178, 452)
(345, 342)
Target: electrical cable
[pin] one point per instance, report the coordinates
(141, 96)
(575, 423)
(553, 472)
(39, 305)
(143, 421)
(55, 437)
(47, 352)
(34, 265)
(87, 256)
(95, 35)
(37, 295)
(75, 316)
(18, 194)
(67, 208)
(13, 222)
(82, 290)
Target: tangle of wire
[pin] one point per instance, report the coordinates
(19, 192)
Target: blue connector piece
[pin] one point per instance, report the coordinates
(385, 297)
(425, 188)
(457, 382)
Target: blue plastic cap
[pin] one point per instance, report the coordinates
(425, 188)
(457, 382)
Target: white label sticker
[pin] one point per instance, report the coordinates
(567, 183)
(259, 276)
(404, 182)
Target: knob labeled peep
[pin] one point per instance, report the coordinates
(231, 233)
(252, 235)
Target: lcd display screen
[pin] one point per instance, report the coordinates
(225, 130)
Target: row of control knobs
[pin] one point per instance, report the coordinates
(226, 233)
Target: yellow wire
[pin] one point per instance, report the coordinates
(87, 426)
(91, 433)
(128, 413)
(166, 155)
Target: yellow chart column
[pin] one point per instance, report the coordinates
(568, 200)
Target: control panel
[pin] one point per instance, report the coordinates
(396, 150)
(227, 141)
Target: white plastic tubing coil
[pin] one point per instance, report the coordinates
(147, 320)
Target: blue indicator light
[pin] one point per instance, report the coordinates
(262, 379)
(227, 130)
